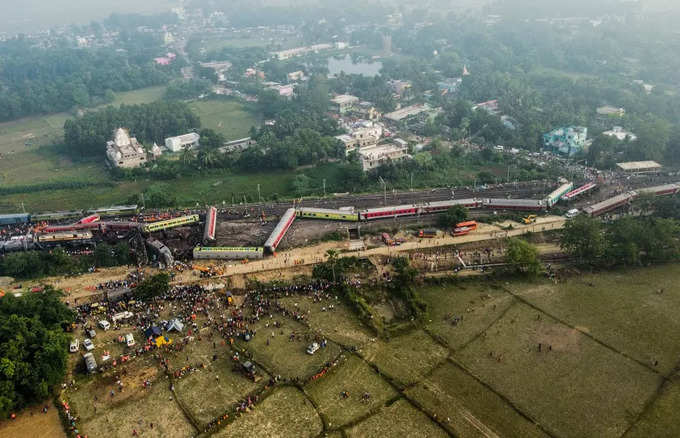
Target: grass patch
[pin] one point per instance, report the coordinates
(579, 388)
(406, 358)
(622, 308)
(286, 413)
(662, 418)
(399, 419)
(355, 377)
(226, 116)
(206, 397)
(156, 407)
(285, 357)
(472, 408)
(478, 304)
(340, 325)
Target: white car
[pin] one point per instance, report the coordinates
(313, 348)
(129, 340)
(89, 346)
(74, 346)
(104, 324)
(572, 213)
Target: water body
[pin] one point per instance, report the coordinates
(370, 69)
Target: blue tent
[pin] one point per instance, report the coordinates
(153, 332)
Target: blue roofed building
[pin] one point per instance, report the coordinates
(567, 141)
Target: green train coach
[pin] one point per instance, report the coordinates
(328, 214)
(228, 253)
(170, 223)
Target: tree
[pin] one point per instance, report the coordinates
(522, 257)
(211, 139)
(152, 287)
(34, 347)
(453, 216)
(584, 238)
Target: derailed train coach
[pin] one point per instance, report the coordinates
(228, 253)
(324, 213)
(280, 231)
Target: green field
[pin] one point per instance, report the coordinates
(527, 359)
(27, 159)
(228, 117)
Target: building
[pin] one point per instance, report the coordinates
(407, 112)
(344, 103)
(361, 134)
(297, 76)
(125, 151)
(611, 111)
(300, 51)
(399, 87)
(219, 67)
(490, 106)
(287, 91)
(238, 145)
(567, 141)
(639, 166)
(186, 141)
(375, 156)
(620, 133)
(449, 85)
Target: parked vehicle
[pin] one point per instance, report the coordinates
(129, 340)
(74, 346)
(87, 343)
(427, 234)
(90, 363)
(104, 324)
(572, 213)
(313, 348)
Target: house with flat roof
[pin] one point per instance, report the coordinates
(569, 140)
(181, 142)
(375, 156)
(344, 102)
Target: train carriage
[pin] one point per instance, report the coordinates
(324, 213)
(610, 204)
(210, 225)
(554, 197)
(389, 212)
(666, 189)
(170, 223)
(442, 206)
(570, 196)
(57, 216)
(228, 253)
(118, 210)
(64, 237)
(514, 204)
(280, 231)
(14, 219)
(90, 219)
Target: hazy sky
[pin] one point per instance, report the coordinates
(27, 15)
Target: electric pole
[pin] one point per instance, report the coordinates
(384, 184)
(259, 198)
(324, 187)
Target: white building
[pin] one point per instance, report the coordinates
(125, 151)
(362, 134)
(344, 102)
(375, 156)
(186, 141)
(620, 133)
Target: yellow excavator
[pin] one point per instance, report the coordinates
(529, 219)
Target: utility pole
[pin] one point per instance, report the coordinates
(23, 209)
(259, 198)
(508, 179)
(411, 187)
(384, 184)
(324, 187)
(143, 201)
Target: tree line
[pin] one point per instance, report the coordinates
(87, 135)
(38, 81)
(33, 347)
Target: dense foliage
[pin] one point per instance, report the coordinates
(628, 241)
(38, 81)
(153, 287)
(88, 135)
(33, 347)
(522, 257)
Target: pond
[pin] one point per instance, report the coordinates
(370, 69)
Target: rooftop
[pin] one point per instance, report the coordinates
(639, 165)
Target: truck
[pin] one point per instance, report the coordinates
(90, 362)
(387, 240)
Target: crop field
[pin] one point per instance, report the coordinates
(494, 358)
